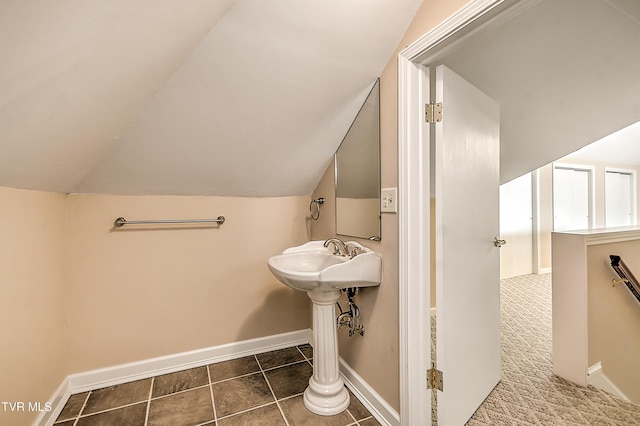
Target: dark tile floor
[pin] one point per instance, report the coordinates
(264, 389)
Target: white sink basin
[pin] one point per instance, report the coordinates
(313, 267)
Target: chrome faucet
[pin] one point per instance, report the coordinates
(353, 250)
(338, 246)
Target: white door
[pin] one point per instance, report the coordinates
(571, 198)
(467, 162)
(516, 226)
(619, 199)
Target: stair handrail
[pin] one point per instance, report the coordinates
(625, 274)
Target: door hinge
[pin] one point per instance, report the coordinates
(434, 379)
(433, 113)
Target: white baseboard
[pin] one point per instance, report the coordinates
(111, 376)
(118, 374)
(433, 312)
(543, 271)
(376, 405)
(59, 398)
(597, 379)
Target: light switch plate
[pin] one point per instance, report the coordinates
(389, 200)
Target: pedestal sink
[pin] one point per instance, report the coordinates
(315, 269)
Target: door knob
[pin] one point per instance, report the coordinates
(498, 242)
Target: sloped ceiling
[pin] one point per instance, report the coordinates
(244, 97)
(565, 73)
(621, 147)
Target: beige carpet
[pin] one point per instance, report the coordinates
(529, 393)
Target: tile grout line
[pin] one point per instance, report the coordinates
(286, 422)
(306, 358)
(213, 402)
(370, 417)
(247, 410)
(235, 377)
(177, 392)
(301, 353)
(291, 396)
(355, 421)
(251, 373)
(286, 365)
(146, 416)
(82, 409)
(82, 414)
(113, 409)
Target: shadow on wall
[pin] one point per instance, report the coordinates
(276, 309)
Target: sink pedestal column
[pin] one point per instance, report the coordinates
(326, 394)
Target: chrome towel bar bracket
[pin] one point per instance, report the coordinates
(121, 221)
(317, 202)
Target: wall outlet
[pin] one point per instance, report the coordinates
(389, 200)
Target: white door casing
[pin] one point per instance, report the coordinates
(413, 198)
(516, 226)
(573, 206)
(467, 180)
(619, 196)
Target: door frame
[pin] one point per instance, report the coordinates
(633, 195)
(531, 230)
(414, 193)
(591, 190)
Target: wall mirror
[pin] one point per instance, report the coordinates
(357, 173)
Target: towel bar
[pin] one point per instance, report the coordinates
(121, 221)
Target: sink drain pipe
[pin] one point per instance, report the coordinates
(350, 317)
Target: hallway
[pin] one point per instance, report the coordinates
(529, 393)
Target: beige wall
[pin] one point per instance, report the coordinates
(614, 317)
(545, 220)
(137, 293)
(375, 356)
(79, 295)
(32, 362)
(131, 295)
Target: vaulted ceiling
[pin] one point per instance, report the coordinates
(199, 97)
(252, 97)
(621, 147)
(565, 73)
